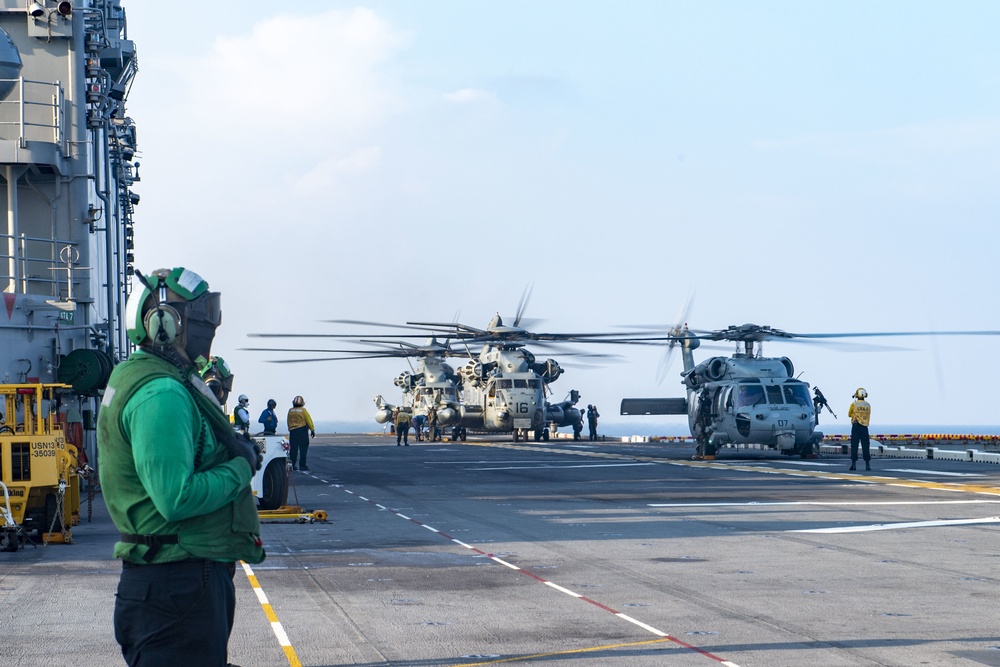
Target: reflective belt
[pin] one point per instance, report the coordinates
(154, 542)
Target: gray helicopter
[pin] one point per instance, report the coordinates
(429, 388)
(748, 398)
(504, 390)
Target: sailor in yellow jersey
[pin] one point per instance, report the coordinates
(300, 428)
(860, 414)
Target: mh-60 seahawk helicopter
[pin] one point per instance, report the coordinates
(747, 398)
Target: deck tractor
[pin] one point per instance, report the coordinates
(39, 469)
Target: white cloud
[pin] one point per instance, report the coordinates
(311, 78)
(327, 174)
(470, 95)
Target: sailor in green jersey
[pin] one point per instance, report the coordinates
(175, 477)
(860, 414)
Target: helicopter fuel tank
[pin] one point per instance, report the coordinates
(383, 411)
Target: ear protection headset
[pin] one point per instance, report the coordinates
(163, 324)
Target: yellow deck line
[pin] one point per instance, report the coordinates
(537, 656)
(272, 618)
(715, 465)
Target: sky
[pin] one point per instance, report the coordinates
(815, 167)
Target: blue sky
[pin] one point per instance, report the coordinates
(817, 167)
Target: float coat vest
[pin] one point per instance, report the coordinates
(227, 533)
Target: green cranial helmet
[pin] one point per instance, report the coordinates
(174, 309)
(218, 377)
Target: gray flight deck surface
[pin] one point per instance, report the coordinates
(582, 554)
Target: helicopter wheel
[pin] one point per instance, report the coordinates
(517, 435)
(545, 435)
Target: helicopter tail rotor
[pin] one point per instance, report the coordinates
(678, 330)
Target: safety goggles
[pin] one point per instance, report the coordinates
(206, 308)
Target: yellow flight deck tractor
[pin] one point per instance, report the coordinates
(39, 480)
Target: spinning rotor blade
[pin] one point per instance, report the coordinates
(522, 304)
(355, 336)
(303, 361)
(897, 333)
(374, 324)
(453, 328)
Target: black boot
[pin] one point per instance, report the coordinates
(853, 466)
(868, 466)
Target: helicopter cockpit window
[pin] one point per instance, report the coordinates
(749, 395)
(505, 384)
(520, 384)
(534, 384)
(797, 394)
(725, 399)
(774, 394)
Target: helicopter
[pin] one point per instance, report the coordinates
(430, 387)
(747, 398)
(504, 390)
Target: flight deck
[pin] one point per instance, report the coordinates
(492, 552)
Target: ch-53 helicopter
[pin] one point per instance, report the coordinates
(505, 387)
(501, 389)
(430, 387)
(747, 398)
(504, 390)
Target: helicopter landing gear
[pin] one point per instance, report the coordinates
(705, 450)
(805, 451)
(458, 433)
(542, 435)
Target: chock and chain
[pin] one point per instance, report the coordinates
(60, 517)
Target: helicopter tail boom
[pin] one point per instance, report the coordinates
(654, 406)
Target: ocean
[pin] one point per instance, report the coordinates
(678, 427)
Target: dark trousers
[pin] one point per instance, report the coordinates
(593, 431)
(298, 445)
(859, 433)
(175, 613)
(402, 432)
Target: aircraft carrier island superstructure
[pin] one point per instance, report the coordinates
(67, 150)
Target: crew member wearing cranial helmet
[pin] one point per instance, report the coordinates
(268, 418)
(241, 415)
(300, 428)
(860, 413)
(176, 480)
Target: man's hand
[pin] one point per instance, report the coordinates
(240, 445)
(312, 434)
